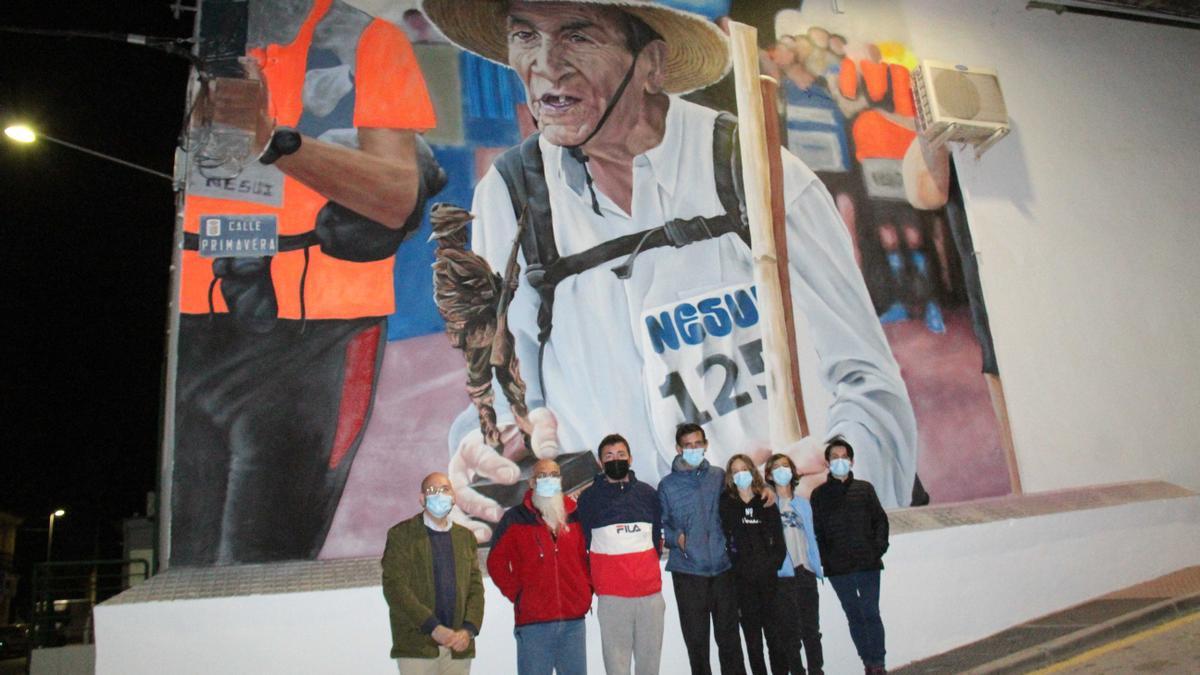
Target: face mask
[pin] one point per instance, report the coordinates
(693, 456)
(548, 486)
(782, 475)
(840, 467)
(438, 505)
(616, 469)
(742, 479)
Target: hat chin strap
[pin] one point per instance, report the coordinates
(576, 151)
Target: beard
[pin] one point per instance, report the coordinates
(553, 510)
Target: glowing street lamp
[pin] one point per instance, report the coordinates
(20, 133)
(23, 133)
(57, 514)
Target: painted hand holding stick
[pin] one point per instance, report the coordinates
(472, 299)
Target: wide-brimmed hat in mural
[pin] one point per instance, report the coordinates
(697, 51)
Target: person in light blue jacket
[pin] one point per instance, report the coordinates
(700, 568)
(796, 616)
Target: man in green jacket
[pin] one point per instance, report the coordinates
(433, 587)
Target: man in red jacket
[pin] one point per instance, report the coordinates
(539, 562)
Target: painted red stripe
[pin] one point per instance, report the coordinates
(357, 385)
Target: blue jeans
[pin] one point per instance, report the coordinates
(859, 594)
(544, 648)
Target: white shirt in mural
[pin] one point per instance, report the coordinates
(681, 335)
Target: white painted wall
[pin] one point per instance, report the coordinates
(1087, 223)
(941, 589)
(1087, 219)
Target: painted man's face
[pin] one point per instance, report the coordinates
(571, 59)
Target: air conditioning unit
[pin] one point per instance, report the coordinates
(959, 103)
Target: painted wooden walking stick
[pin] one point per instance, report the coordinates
(762, 181)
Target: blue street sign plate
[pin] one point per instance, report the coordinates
(238, 236)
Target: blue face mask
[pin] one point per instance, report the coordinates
(840, 467)
(438, 505)
(548, 486)
(742, 479)
(782, 475)
(693, 456)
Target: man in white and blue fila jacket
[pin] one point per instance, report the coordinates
(620, 517)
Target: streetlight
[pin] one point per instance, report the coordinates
(23, 133)
(57, 514)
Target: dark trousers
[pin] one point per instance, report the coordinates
(699, 598)
(755, 597)
(859, 595)
(266, 427)
(795, 624)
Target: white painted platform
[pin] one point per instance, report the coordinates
(954, 574)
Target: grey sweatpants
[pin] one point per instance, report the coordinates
(631, 627)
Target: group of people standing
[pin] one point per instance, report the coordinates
(746, 548)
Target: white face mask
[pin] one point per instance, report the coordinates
(438, 505)
(548, 486)
(840, 467)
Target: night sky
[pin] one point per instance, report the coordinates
(86, 253)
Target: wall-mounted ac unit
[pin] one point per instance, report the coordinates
(959, 103)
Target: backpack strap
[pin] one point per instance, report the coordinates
(523, 173)
(522, 169)
(727, 172)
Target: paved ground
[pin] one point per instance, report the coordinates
(1172, 647)
(1153, 627)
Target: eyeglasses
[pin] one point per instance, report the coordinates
(437, 490)
(697, 445)
(549, 474)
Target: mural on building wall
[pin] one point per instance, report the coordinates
(318, 379)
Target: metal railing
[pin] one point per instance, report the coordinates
(64, 594)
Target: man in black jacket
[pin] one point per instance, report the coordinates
(852, 534)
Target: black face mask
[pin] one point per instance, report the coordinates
(616, 469)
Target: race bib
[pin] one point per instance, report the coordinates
(703, 362)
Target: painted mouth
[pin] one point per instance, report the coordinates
(557, 102)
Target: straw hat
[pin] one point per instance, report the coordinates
(697, 51)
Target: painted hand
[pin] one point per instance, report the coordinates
(808, 455)
(474, 458)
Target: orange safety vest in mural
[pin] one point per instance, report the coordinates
(886, 85)
(389, 93)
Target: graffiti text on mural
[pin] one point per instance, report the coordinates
(257, 183)
(691, 322)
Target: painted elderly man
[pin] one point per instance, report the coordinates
(637, 301)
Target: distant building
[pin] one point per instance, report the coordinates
(8, 578)
(139, 538)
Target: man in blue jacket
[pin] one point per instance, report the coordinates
(699, 564)
(621, 521)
